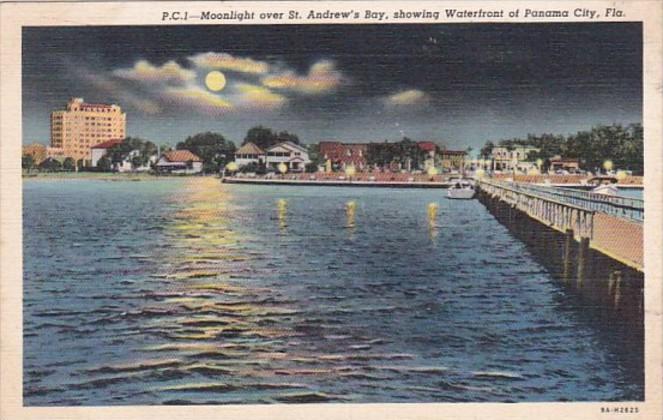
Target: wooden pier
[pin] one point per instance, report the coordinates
(612, 226)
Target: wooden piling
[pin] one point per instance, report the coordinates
(618, 288)
(583, 259)
(566, 260)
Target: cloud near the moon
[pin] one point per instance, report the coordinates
(322, 77)
(145, 72)
(251, 84)
(407, 98)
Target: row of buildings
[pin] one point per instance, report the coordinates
(519, 159)
(336, 155)
(293, 156)
(85, 131)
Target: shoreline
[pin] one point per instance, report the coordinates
(381, 184)
(105, 176)
(439, 183)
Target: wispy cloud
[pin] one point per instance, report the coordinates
(322, 77)
(169, 73)
(407, 98)
(115, 88)
(258, 97)
(224, 61)
(199, 99)
(252, 85)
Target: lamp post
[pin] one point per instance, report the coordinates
(607, 165)
(283, 168)
(231, 167)
(350, 171)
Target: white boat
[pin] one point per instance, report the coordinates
(605, 185)
(461, 190)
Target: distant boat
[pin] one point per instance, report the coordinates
(461, 189)
(606, 185)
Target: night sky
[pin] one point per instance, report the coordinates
(456, 84)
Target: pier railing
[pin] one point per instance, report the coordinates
(548, 209)
(622, 207)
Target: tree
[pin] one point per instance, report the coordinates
(264, 137)
(119, 152)
(69, 164)
(487, 150)
(27, 162)
(311, 167)
(50, 165)
(402, 152)
(623, 145)
(212, 148)
(104, 164)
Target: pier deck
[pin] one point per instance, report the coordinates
(612, 226)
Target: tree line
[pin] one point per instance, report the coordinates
(623, 145)
(213, 148)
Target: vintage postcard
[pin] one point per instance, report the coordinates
(389, 210)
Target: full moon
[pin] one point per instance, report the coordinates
(215, 81)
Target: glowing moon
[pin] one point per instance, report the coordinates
(215, 81)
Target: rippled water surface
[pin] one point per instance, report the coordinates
(193, 292)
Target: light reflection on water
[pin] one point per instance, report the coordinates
(190, 291)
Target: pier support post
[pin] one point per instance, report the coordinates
(566, 256)
(618, 288)
(583, 257)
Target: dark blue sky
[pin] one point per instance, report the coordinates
(459, 84)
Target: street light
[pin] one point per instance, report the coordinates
(232, 167)
(432, 171)
(607, 165)
(283, 168)
(350, 171)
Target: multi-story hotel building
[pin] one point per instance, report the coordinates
(81, 125)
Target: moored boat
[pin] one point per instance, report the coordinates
(606, 185)
(461, 189)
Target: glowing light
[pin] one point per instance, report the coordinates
(607, 165)
(432, 220)
(432, 213)
(432, 171)
(282, 210)
(215, 81)
(350, 211)
(350, 170)
(232, 167)
(283, 168)
(539, 162)
(621, 175)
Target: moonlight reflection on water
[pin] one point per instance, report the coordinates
(190, 291)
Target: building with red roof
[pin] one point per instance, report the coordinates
(179, 162)
(344, 154)
(99, 150)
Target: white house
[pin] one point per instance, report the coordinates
(127, 166)
(249, 153)
(509, 159)
(99, 150)
(179, 162)
(294, 156)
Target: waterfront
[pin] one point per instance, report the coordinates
(190, 291)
